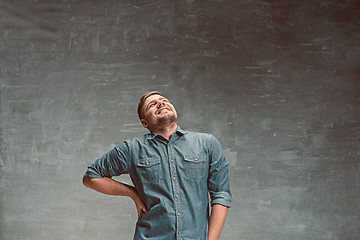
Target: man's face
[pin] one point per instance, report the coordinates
(158, 112)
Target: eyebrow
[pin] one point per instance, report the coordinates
(147, 106)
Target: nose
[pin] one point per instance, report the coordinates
(160, 104)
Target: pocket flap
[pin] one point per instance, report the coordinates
(148, 162)
(195, 158)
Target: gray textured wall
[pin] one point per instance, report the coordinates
(278, 82)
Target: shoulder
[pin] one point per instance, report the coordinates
(132, 142)
(206, 137)
(137, 140)
(199, 134)
(201, 140)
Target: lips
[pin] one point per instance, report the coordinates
(163, 108)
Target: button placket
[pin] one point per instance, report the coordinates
(175, 187)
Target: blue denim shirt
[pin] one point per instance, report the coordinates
(173, 179)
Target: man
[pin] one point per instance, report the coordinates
(172, 171)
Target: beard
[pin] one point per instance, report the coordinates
(167, 120)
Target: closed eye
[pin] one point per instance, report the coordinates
(154, 102)
(151, 105)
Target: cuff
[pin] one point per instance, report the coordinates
(90, 174)
(223, 198)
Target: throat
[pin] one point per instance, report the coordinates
(166, 131)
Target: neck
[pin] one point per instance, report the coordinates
(166, 131)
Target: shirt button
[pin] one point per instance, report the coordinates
(178, 214)
(176, 196)
(174, 178)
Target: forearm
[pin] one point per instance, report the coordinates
(216, 221)
(111, 187)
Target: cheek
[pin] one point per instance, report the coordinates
(151, 113)
(174, 110)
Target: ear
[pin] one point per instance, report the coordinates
(144, 123)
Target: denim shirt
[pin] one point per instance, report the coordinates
(173, 178)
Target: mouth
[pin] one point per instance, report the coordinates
(163, 108)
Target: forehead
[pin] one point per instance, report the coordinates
(153, 98)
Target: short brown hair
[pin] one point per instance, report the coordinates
(142, 101)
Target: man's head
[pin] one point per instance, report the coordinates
(155, 111)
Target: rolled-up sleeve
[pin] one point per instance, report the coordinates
(113, 163)
(218, 181)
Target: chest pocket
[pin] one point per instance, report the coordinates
(149, 169)
(195, 165)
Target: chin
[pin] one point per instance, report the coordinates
(168, 119)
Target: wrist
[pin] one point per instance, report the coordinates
(133, 194)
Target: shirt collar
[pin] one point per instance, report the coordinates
(178, 131)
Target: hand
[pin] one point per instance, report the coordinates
(140, 206)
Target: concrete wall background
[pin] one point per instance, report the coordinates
(276, 81)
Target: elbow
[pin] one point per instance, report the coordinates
(86, 182)
(90, 182)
